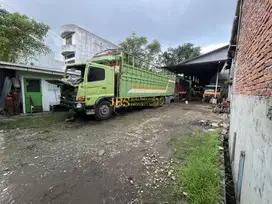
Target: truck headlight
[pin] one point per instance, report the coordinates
(78, 105)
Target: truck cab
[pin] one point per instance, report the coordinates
(88, 88)
(211, 91)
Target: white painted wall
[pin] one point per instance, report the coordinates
(73, 39)
(50, 93)
(86, 43)
(48, 60)
(252, 121)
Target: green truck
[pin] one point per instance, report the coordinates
(112, 79)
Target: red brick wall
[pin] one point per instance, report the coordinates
(254, 51)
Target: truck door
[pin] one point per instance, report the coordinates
(100, 83)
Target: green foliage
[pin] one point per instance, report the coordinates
(151, 52)
(141, 48)
(134, 45)
(201, 175)
(174, 56)
(197, 170)
(20, 37)
(227, 82)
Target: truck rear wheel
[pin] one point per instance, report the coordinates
(103, 110)
(161, 101)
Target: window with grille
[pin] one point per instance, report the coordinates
(52, 87)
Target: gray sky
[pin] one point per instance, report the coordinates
(206, 23)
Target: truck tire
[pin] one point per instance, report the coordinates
(154, 103)
(161, 101)
(103, 110)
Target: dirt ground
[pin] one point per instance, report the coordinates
(121, 160)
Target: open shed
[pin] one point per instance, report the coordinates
(202, 70)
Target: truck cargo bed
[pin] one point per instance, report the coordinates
(137, 82)
(134, 80)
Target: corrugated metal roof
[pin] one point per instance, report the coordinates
(22, 67)
(215, 55)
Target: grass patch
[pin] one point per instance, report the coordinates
(201, 175)
(198, 169)
(38, 121)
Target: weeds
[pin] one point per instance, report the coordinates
(32, 121)
(201, 175)
(198, 169)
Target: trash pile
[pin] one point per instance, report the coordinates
(223, 107)
(211, 125)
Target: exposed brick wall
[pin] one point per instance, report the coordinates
(253, 72)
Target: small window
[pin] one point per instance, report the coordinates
(70, 56)
(68, 40)
(70, 61)
(96, 74)
(33, 85)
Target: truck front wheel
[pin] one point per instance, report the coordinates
(103, 110)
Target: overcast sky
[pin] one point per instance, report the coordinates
(206, 23)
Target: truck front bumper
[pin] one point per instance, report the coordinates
(74, 105)
(79, 107)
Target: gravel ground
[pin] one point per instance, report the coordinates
(121, 160)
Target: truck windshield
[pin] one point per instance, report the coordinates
(75, 73)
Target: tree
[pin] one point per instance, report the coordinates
(139, 47)
(174, 56)
(21, 37)
(150, 53)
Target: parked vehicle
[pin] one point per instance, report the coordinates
(181, 89)
(113, 79)
(198, 91)
(211, 92)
